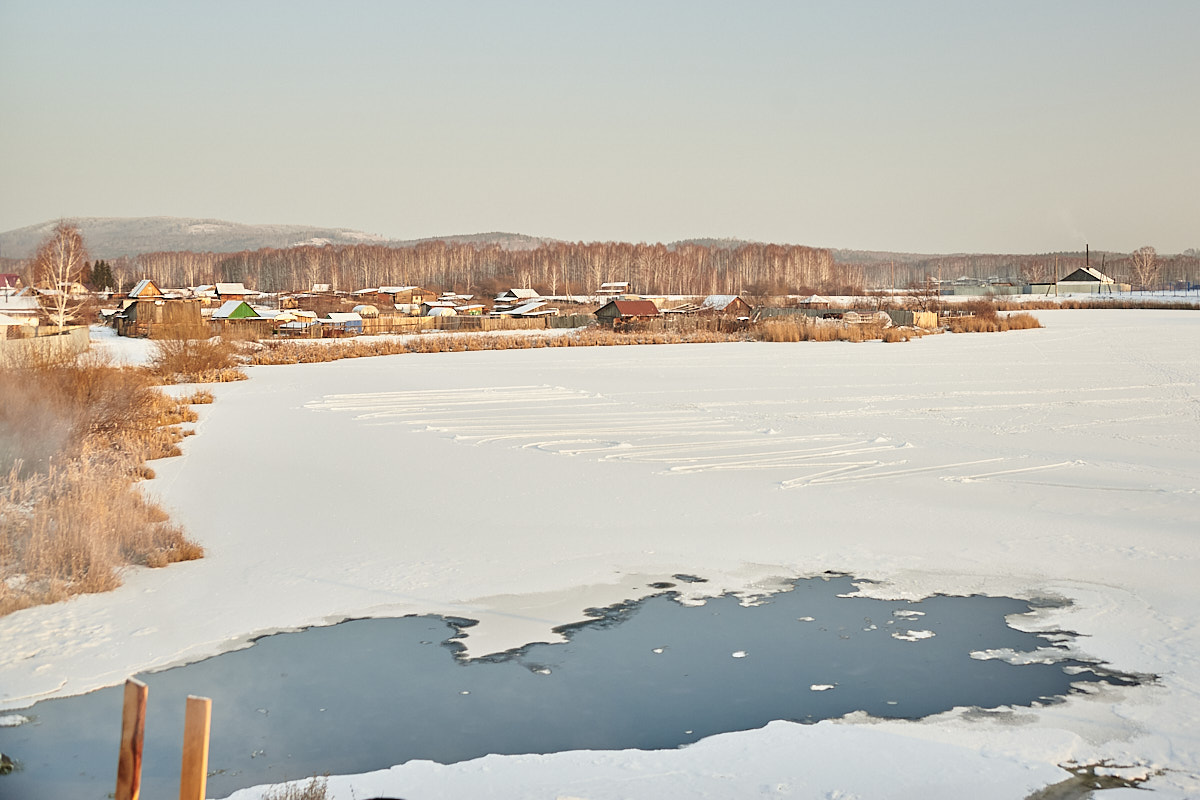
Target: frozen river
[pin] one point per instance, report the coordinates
(519, 488)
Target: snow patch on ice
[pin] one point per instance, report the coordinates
(913, 636)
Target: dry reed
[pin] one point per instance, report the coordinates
(180, 360)
(73, 439)
(315, 788)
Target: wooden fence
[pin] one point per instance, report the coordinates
(47, 345)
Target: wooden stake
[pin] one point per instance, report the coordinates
(133, 729)
(194, 773)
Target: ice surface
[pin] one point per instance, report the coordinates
(1050, 464)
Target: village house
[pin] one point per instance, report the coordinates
(342, 323)
(514, 297)
(235, 309)
(145, 289)
(613, 289)
(148, 316)
(623, 312)
(231, 291)
(725, 305)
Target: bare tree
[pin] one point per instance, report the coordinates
(57, 267)
(1143, 264)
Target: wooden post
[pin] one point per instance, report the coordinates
(133, 729)
(193, 775)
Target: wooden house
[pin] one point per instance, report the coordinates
(231, 291)
(145, 289)
(725, 305)
(155, 316)
(626, 311)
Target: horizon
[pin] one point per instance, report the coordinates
(923, 128)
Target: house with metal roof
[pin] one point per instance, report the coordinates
(725, 305)
(626, 311)
(145, 289)
(231, 291)
(235, 309)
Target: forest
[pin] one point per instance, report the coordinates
(555, 268)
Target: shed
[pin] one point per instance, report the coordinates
(235, 309)
(231, 291)
(614, 288)
(516, 295)
(626, 311)
(814, 301)
(366, 311)
(725, 305)
(343, 321)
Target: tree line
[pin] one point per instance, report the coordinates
(556, 268)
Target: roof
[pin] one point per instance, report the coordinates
(231, 307)
(9, 279)
(632, 308)
(719, 301)
(518, 294)
(22, 301)
(343, 316)
(1088, 275)
(231, 288)
(145, 288)
(527, 308)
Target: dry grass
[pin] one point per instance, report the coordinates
(987, 319)
(1099, 302)
(200, 397)
(809, 329)
(182, 360)
(73, 440)
(315, 788)
(290, 352)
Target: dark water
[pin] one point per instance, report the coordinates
(367, 694)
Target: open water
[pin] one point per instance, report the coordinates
(649, 674)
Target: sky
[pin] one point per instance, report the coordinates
(908, 126)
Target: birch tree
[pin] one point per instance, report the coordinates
(58, 265)
(1143, 263)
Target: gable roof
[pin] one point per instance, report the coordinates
(231, 288)
(1088, 275)
(631, 308)
(9, 280)
(233, 309)
(526, 308)
(518, 294)
(720, 302)
(145, 288)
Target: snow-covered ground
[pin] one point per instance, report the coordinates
(520, 487)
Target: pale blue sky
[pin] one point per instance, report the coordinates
(930, 127)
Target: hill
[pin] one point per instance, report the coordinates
(112, 237)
